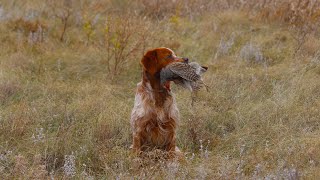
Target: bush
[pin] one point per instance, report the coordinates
(251, 53)
(123, 40)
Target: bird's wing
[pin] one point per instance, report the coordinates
(185, 71)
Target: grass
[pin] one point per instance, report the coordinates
(65, 111)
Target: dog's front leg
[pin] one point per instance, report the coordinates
(136, 146)
(171, 146)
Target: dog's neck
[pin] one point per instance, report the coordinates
(159, 92)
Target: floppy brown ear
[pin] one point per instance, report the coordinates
(149, 61)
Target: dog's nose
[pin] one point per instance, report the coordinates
(186, 60)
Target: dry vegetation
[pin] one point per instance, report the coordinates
(68, 71)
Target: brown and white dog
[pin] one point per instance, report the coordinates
(155, 115)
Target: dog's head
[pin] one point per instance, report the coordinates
(156, 59)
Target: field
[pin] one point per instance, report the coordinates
(69, 69)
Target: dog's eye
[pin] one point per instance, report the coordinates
(169, 56)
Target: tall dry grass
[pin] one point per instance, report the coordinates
(66, 102)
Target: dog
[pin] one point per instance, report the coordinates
(155, 115)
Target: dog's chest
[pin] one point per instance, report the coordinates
(145, 105)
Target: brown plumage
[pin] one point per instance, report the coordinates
(186, 75)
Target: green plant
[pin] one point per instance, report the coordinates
(88, 29)
(123, 38)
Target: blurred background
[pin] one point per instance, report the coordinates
(69, 69)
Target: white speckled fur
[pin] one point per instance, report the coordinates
(144, 107)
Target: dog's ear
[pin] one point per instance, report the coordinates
(149, 61)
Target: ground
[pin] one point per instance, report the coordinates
(69, 69)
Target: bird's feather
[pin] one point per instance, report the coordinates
(184, 71)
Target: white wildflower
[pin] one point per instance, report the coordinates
(38, 136)
(69, 166)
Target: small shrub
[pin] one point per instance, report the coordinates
(34, 30)
(90, 24)
(251, 53)
(225, 46)
(123, 38)
(89, 30)
(62, 9)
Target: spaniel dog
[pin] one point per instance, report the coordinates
(155, 114)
